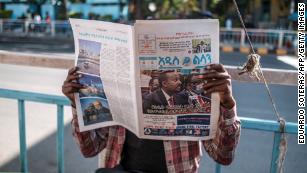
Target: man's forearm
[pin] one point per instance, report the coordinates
(222, 147)
(90, 142)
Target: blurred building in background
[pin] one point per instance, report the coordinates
(274, 14)
(62, 9)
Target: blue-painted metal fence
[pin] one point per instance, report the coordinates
(60, 101)
(22, 96)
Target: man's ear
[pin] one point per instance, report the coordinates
(163, 83)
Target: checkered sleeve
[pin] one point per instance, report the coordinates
(222, 147)
(90, 142)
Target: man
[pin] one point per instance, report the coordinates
(164, 98)
(194, 91)
(200, 47)
(153, 86)
(125, 152)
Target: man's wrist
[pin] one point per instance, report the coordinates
(228, 102)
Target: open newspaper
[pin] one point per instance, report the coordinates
(148, 77)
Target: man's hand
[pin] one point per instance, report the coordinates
(218, 80)
(70, 85)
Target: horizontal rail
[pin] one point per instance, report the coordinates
(272, 76)
(34, 97)
(267, 125)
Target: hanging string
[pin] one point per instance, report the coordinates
(253, 67)
(257, 63)
(242, 23)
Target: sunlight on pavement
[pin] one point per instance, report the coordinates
(291, 60)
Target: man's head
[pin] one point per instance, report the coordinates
(170, 82)
(153, 84)
(194, 83)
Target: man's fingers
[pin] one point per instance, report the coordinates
(217, 67)
(75, 85)
(216, 75)
(73, 77)
(218, 88)
(72, 70)
(216, 83)
(70, 90)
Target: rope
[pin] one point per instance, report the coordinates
(282, 147)
(242, 23)
(253, 67)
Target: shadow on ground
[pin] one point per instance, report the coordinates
(42, 157)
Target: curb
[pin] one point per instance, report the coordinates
(260, 50)
(51, 61)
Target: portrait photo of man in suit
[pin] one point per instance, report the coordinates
(166, 97)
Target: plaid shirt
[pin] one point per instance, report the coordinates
(180, 156)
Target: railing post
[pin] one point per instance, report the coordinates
(217, 168)
(242, 38)
(275, 152)
(60, 138)
(22, 136)
(27, 27)
(1, 25)
(52, 25)
(280, 39)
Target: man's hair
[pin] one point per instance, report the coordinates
(188, 79)
(163, 76)
(151, 80)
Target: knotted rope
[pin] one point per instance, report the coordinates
(253, 68)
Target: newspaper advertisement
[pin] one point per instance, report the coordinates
(147, 78)
(171, 56)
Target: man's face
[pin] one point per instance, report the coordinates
(196, 85)
(154, 85)
(172, 84)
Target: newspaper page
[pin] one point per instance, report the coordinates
(171, 56)
(104, 55)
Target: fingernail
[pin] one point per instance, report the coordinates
(80, 75)
(205, 81)
(205, 92)
(208, 67)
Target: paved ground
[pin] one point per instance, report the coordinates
(253, 154)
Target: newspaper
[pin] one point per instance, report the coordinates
(148, 77)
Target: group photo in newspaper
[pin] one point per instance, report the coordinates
(147, 77)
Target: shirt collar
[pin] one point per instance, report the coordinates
(166, 95)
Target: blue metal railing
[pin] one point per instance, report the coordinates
(22, 96)
(60, 101)
(270, 126)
